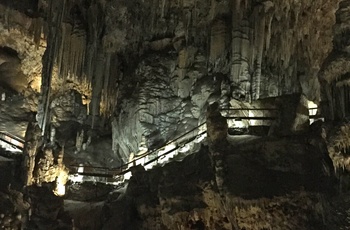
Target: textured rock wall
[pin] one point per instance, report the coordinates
(160, 61)
(14, 209)
(163, 105)
(224, 49)
(268, 48)
(17, 31)
(335, 72)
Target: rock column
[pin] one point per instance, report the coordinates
(217, 133)
(32, 143)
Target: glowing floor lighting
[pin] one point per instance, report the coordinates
(60, 190)
(239, 124)
(166, 149)
(61, 181)
(312, 110)
(185, 148)
(76, 178)
(127, 176)
(252, 122)
(200, 138)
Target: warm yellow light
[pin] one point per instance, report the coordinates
(61, 181)
(60, 189)
(312, 108)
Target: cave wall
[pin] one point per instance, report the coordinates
(151, 66)
(17, 33)
(246, 50)
(166, 102)
(334, 75)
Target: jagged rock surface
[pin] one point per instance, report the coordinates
(67, 114)
(161, 107)
(14, 209)
(272, 188)
(261, 49)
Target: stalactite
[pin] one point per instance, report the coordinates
(236, 42)
(78, 45)
(163, 8)
(97, 87)
(259, 40)
(76, 50)
(105, 100)
(268, 32)
(153, 15)
(61, 51)
(55, 16)
(37, 24)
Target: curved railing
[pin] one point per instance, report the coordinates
(179, 142)
(123, 169)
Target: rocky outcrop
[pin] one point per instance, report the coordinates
(334, 75)
(68, 114)
(268, 184)
(46, 209)
(216, 125)
(337, 140)
(17, 31)
(236, 48)
(178, 56)
(164, 104)
(16, 110)
(14, 209)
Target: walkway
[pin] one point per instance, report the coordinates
(10, 145)
(178, 145)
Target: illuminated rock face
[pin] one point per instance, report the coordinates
(152, 67)
(167, 102)
(338, 141)
(216, 125)
(17, 34)
(50, 168)
(260, 49)
(256, 50)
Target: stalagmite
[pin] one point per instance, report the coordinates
(32, 143)
(56, 17)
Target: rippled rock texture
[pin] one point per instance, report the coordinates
(152, 66)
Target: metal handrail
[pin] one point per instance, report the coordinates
(146, 154)
(12, 136)
(122, 172)
(257, 109)
(156, 150)
(3, 136)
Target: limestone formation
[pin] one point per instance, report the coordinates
(216, 125)
(135, 75)
(33, 141)
(14, 209)
(49, 167)
(337, 140)
(257, 196)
